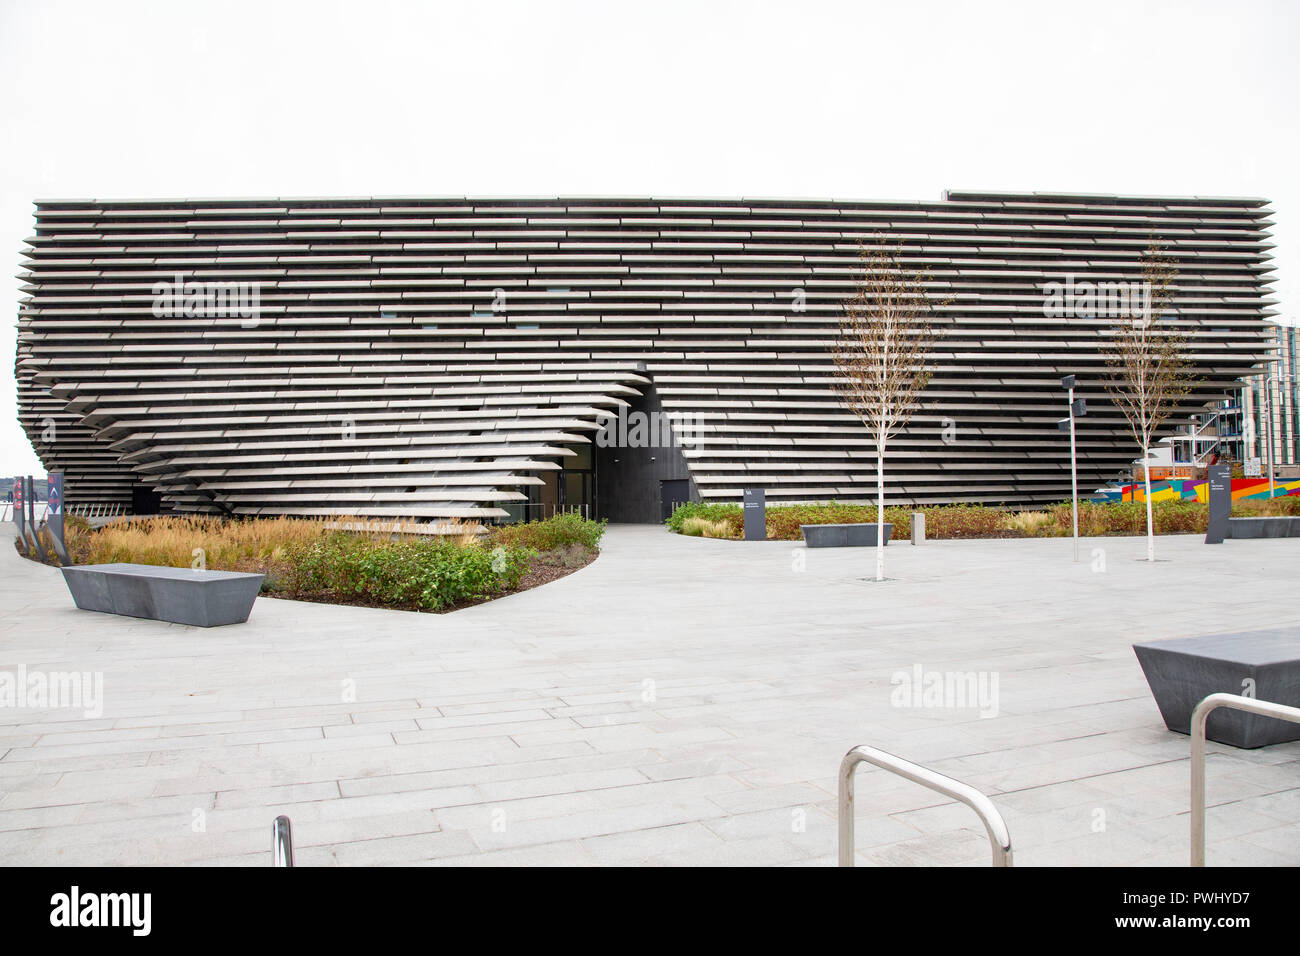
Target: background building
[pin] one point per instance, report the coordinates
(455, 357)
(1269, 403)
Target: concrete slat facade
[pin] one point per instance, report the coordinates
(433, 357)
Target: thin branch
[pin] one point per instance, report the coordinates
(1149, 371)
(886, 333)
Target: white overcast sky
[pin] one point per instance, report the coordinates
(858, 100)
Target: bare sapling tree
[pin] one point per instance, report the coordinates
(882, 355)
(1148, 369)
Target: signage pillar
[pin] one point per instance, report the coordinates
(755, 514)
(1220, 487)
(54, 515)
(20, 515)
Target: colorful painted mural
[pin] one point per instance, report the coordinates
(1197, 489)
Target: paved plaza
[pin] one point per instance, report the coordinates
(679, 701)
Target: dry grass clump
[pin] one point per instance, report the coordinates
(1031, 523)
(704, 528)
(462, 532)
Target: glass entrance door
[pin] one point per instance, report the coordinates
(576, 482)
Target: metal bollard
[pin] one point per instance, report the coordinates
(918, 527)
(281, 842)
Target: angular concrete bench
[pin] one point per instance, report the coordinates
(178, 595)
(1264, 527)
(843, 535)
(1260, 664)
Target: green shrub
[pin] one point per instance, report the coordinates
(1177, 517)
(941, 521)
(980, 521)
(571, 556)
(965, 521)
(423, 573)
(1265, 507)
(1130, 518)
(783, 521)
(552, 533)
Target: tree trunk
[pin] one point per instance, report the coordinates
(1151, 538)
(880, 512)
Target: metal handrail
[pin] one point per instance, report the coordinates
(548, 509)
(41, 509)
(281, 842)
(999, 836)
(1200, 715)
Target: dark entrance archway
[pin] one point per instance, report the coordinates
(640, 468)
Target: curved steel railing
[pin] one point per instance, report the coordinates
(1200, 715)
(281, 842)
(999, 836)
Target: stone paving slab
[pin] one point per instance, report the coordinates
(678, 702)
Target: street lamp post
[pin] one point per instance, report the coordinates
(1268, 429)
(1079, 408)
